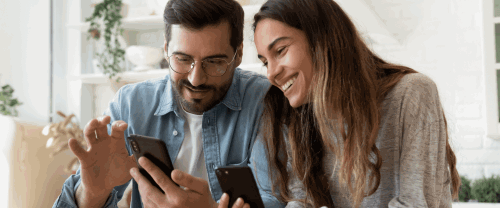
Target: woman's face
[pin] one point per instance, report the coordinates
(285, 52)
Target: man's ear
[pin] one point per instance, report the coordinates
(165, 49)
(239, 55)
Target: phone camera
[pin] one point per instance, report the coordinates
(135, 147)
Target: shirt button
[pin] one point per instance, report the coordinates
(175, 132)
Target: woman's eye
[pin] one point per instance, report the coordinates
(280, 50)
(264, 63)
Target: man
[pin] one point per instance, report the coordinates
(206, 111)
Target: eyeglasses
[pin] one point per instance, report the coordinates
(183, 64)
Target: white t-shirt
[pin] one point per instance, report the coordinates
(191, 159)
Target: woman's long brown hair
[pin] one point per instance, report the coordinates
(343, 116)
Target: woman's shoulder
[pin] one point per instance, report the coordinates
(415, 96)
(416, 87)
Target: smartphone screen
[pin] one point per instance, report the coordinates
(239, 182)
(153, 149)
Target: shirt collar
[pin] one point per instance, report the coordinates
(232, 100)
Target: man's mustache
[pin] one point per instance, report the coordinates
(187, 84)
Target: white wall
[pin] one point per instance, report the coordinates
(24, 55)
(443, 39)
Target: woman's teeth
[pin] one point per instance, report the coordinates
(288, 84)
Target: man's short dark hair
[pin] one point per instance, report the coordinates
(196, 14)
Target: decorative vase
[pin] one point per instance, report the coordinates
(144, 57)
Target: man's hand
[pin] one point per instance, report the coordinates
(239, 203)
(194, 194)
(105, 164)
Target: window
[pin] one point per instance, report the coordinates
(491, 20)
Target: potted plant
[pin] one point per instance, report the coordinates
(7, 103)
(59, 134)
(112, 55)
(483, 192)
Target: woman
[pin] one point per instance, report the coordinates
(344, 128)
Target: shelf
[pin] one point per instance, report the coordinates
(139, 76)
(151, 22)
(495, 136)
(135, 23)
(496, 20)
(127, 77)
(497, 66)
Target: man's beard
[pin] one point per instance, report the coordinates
(196, 106)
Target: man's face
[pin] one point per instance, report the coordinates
(196, 90)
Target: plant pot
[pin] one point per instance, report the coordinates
(123, 11)
(474, 205)
(157, 7)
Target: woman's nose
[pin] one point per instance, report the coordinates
(273, 70)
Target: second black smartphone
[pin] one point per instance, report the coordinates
(153, 149)
(239, 182)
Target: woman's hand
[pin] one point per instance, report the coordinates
(239, 203)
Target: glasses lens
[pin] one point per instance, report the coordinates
(180, 63)
(215, 67)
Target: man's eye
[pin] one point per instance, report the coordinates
(182, 59)
(215, 61)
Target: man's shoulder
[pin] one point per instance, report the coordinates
(140, 92)
(147, 85)
(253, 81)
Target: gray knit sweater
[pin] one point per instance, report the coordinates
(412, 142)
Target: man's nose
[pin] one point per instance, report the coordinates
(197, 76)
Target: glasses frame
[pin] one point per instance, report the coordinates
(202, 66)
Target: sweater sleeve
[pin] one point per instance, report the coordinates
(296, 188)
(424, 179)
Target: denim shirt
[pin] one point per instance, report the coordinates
(229, 131)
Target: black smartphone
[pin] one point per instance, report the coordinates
(153, 149)
(238, 181)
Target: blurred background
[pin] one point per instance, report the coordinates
(50, 61)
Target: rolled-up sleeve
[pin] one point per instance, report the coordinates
(67, 197)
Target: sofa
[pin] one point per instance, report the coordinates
(31, 179)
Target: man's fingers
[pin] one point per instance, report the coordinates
(102, 127)
(193, 183)
(224, 201)
(77, 149)
(149, 194)
(89, 131)
(117, 129)
(239, 203)
(160, 178)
